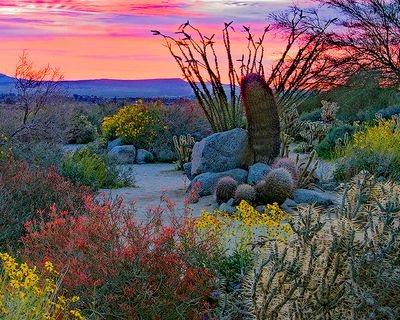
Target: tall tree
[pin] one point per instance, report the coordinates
(369, 30)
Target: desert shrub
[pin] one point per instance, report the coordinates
(123, 268)
(326, 148)
(347, 268)
(312, 116)
(375, 148)
(27, 294)
(92, 170)
(24, 191)
(235, 232)
(41, 154)
(137, 124)
(81, 130)
(181, 118)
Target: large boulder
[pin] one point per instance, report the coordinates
(313, 197)
(187, 169)
(115, 143)
(208, 180)
(143, 156)
(220, 152)
(257, 172)
(123, 154)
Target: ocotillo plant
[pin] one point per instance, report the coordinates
(183, 147)
(262, 117)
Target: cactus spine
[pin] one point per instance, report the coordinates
(262, 118)
(225, 189)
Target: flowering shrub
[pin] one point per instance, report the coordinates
(246, 225)
(137, 124)
(124, 268)
(27, 294)
(24, 191)
(375, 148)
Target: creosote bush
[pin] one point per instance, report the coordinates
(92, 170)
(81, 130)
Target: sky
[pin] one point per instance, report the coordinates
(92, 39)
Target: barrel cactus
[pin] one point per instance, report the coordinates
(245, 192)
(277, 186)
(225, 189)
(290, 165)
(262, 118)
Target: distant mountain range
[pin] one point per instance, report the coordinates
(152, 88)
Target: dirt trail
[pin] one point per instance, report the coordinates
(151, 181)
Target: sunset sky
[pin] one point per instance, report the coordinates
(90, 39)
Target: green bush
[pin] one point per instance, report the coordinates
(42, 154)
(93, 170)
(82, 130)
(326, 148)
(375, 148)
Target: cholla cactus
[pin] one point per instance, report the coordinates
(313, 133)
(225, 189)
(262, 117)
(183, 147)
(329, 111)
(277, 186)
(307, 170)
(245, 192)
(338, 269)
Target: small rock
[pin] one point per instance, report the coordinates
(290, 203)
(209, 179)
(220, 152)
(166, 155)
(187, 169)
(313, 197)
(143, 156)
(260, 208)
(123, 154)
(115, 143)
(224, 207)
(257, 172)
(231, 202)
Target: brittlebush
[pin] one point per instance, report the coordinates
(136, 124)
(27, 294)
(246, 225)
(375, 148)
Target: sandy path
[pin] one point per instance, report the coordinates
(151, 181)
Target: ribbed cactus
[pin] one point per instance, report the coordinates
(245, 192)
(262, 118)
(276, 187)
(290, 165)
(225, 189)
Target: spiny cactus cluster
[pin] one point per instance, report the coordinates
(225, 189)
(277, 186)
(262, 118)
(345, 268)
(245, 192)
(183, 147)
(290, 165)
